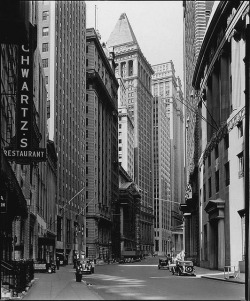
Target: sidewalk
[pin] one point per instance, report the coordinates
(61, 285)
(219, 275)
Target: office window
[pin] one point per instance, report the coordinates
(226, 141)
(209, 159)
(216, 151)
(217, 181)
(45, 47)
(209, 187)
(45, 63)
(205, 243)
(46, 80)
(241, 165)
(59, 228)
(45, 15)
(45, 31)
(240, 129)
(227, 174)
(204, 192)
(68, 236)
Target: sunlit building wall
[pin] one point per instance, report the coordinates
(136, 72)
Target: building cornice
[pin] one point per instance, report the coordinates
(216, 36)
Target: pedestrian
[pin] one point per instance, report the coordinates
(169, 259)
(57, 262)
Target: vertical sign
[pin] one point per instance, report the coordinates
(25, 151)
(24, 99)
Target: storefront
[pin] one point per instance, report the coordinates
(16, 208)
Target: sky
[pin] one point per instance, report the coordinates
(157, 25)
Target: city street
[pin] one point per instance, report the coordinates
(133, 281)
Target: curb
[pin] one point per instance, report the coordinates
(224, 279)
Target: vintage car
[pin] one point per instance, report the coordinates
(88, 266)
(163, 263)
(182, 267)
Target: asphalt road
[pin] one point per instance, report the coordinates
(143, 281)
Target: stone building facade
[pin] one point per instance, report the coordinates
(102, 188)
(220, 81)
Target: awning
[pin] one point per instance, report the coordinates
(16, 202)
(47, 241)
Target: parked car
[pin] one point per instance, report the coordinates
(182, 267)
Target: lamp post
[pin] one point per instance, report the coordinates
(64, 221)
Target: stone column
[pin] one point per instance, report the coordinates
(225, 104)
(221, 244)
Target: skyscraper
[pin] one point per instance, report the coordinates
(62, 41)
(168, 118)
(196, 16)
(102, 185)
(136, 72)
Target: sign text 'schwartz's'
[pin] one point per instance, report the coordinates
(24, 98)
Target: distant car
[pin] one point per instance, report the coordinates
(182, 267)
(163, 263)
(88, 266)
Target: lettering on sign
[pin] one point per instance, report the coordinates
(3, 204)
(37, 155)
(24, 152)
(24, 98)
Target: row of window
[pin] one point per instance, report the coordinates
(226, 176)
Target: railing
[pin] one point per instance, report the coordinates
(7, 276)
(230, 271)
(17, 275)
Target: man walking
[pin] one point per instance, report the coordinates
(57, 262)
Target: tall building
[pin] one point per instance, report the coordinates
(195, 18)
(136, 73)
(168, 137)
(126, 140)
(102, 185)
(221, 82)
(62, 43)
(195, 13)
